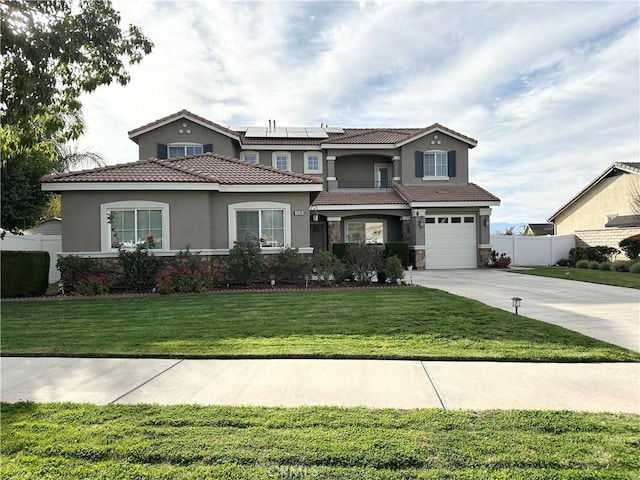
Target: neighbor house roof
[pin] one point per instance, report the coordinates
(415, 195)
(207, 168)
(540, 229)
(615, 168)
(185, 114)
(624, 221)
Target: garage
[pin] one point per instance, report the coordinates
(451, 241)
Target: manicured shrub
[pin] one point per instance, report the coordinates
(74, 268)
(340, 250)
(24, 274)
(565, 262)
(139, 266)
(200, 278)
(327, 266)
(635, 268)
(289, 266)
(244, 264)
(393, 269)
(631, 246)
(92, 284)
(593, 265)
(600, 253)
(364, 260)
(582, 264)
(620, 266)
(605, 266)
(399, 249)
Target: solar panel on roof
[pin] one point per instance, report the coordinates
(256, 132)
(316, 132)
(334, 130)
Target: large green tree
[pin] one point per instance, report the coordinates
(52, 52)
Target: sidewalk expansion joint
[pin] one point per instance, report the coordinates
(146, 382)
(433, 385)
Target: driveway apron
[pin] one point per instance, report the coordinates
(611, 314)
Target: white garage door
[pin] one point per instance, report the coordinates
(451, 241)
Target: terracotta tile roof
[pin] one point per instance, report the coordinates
(204, 168)
(469, 192)
(390, 135)
(175, 116)
(358, 198)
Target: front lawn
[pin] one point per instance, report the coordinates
(412, 323)
(618, 279)
(68, 441)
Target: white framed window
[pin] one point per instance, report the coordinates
(436, 164)
(129, 223)
(250, 156)
(183, 149)
(281, 160)
(365, 231)
(312, 162)
(268, 223)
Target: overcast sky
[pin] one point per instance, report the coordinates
(549, 89)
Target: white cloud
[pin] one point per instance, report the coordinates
(550, 89)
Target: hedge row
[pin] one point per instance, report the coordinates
(24, 274)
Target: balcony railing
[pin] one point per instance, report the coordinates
(364, 185)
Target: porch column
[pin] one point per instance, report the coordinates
(484, 237)
(332, 181)
(334, 225)
(396, 168)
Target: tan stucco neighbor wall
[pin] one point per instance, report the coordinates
(609, 237)
(610, 196)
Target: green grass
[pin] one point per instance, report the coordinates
(416, 323)
(618, 279)
(68, 441)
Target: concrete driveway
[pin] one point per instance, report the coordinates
(611, 314)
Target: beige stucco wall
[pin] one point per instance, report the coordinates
(170, 133)
(610, 196)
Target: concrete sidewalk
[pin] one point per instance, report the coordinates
(608, 313)
(606, 387)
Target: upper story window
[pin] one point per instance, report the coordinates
(281, 160)
(251, 157)
(181, 150)
(312, 162)
(435, 164)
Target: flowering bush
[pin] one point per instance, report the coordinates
(499, 261)
(139, 266)
(93, 284)
(187, 280)
(74, 268)
(620, 266)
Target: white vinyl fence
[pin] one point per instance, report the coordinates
(525, 250)
(39, 243)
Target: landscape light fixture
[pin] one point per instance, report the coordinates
(273, 283)
(515, 301)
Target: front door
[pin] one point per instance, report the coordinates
(318, 236)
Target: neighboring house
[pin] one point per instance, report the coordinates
(201, 184)
(538, 229)
(51, 226)
(604, 212)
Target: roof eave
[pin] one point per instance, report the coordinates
(136, 133)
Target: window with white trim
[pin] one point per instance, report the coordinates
(181, 150)
(365, 232)
(129, 223)
(312, 162)
(281, 160)
(436, 164)
(251, 157)
(268, 223)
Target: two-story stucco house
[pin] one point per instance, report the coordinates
(201, 184)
